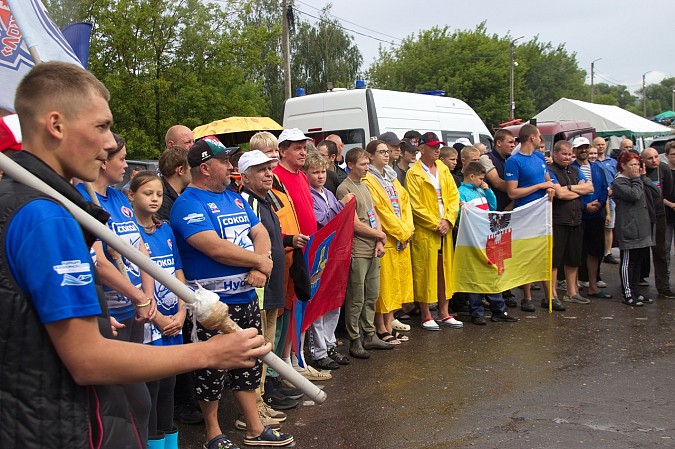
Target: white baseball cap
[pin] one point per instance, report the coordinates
(253, 158)
(293, 135)
(579, 141)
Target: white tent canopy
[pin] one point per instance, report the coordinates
(607, 120)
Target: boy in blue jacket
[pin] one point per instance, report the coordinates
(474, 192)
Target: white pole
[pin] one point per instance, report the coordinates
(20, 174)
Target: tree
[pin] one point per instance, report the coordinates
(323, 53)
(473, 66)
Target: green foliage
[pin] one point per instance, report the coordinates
(613, 95)
(474, 66)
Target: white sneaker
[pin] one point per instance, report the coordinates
(602, 284)
(584, 284)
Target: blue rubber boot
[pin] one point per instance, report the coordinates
(158, 443)
(171, 439)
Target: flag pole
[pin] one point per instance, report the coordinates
(20, 174)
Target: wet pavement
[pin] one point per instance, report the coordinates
(595, 376)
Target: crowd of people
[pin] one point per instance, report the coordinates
(236, 222)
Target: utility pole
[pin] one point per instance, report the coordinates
(286, 44)
(512, 100)
(592, 76)
(673, 107)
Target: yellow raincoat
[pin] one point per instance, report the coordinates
(427, 241)
(396, 285)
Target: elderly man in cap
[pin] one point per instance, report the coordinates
(592, 218)
(393, 145)
(257, 179)
(435, 203)
(226, 250)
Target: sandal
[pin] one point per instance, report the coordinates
(633, 302)
(399, 336)
(387, 338)
(601, 294)
(220, 442)
(397, 325)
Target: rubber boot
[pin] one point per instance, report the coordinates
(156, 442)
(171, 439)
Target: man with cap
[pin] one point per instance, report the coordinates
(226, 250)
(592, 218)
(435, 202)
(293, 152)
(408, 157)
(257, 180)
(393, 145)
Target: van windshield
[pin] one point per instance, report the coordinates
(352, 138)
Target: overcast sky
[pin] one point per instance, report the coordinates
(632, 37)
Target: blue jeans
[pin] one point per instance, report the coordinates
(497, 304)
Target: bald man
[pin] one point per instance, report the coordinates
(659, 174)
(340, 166)
(179, 136)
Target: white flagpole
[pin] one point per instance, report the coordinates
(20, 174)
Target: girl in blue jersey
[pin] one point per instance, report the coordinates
(145, 194)
(128, 291)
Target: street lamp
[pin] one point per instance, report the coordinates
(512, 103)
(592, 74)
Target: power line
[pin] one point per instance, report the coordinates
(352, 23)
(345, 28)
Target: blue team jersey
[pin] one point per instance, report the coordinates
(123, 223)
(528, 171)
(164, 252)
(231, 217)
(47, 256)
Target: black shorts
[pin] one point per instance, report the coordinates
(594, 237)
(209, 382)
(567, 241)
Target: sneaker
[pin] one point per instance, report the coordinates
(503, 317)
(584, 284)
(562, 285)
(335, 355)
(508, 294)
(479, 320)
(188, 414)
(289, 392)
(511, 302)
(450, 321)
(277, 400)
(633, 302)
(274, 414)
(430, 325)
(326, 363)
(643, 283)
(609, 258)
(240, 423)
(356, 350)
(526, 305)
(556, 304)
(576, 298)
(312, 374)
(374, 342)
(667, 294)
(601, 284)
(269, 437)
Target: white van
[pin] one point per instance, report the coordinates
(360, 115)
